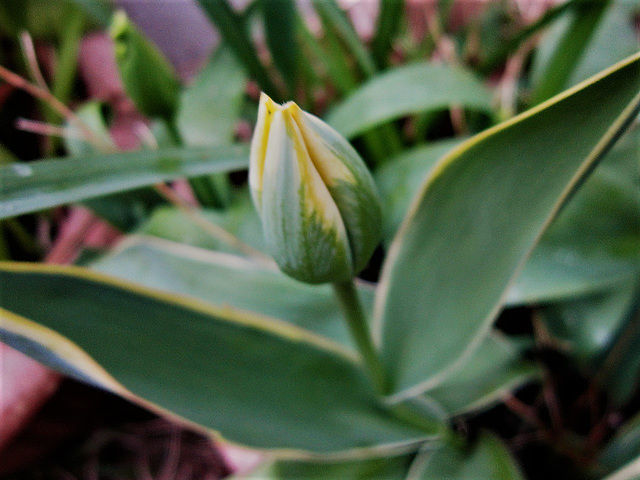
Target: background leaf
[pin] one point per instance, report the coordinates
(232, 26)
(279, 26)
(404, 91)
(589, 325)
(493, 369)
(584, 19)
(240, 219)
(488, 458)
(623, 447)
(389, 21)
(210, 107)
(612, 41)
(147, 76)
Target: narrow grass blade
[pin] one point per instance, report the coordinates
(52, 182)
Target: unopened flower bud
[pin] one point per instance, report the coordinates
(318, 203)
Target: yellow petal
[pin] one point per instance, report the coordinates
(259, 146)
(302, 224)
(327, 160)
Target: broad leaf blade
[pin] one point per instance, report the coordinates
(391, 468)
(399, 180)
(589, 325)
(260, 383)
(623, 447)
(591, 246)
(488, 458)
(494, 369)
(210, 107)
(404, 91)
(479, 215)
(240, 219)
(630, 471)
(49, 183)
(555, 273)
(594, 243)
(223, 279)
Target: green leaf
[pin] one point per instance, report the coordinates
(488, 458)
(631, 471)
(389, 19)
(208, 114)
(93, 115)
(233, 29)
(392, 468)
(126, 210)
(122, 210)
(400, 179)
(623, 448)
(331, 58)
(99, 10)
(240, 219)
(52, 182)
(14, 16)
(67, 58)
(280, 26)
(6, 156)
(147, 76)
(477, 218)
(223, 279)
(334, 17)
(554, 273)
(254, 380)
(589, 325)
(404, 91)
(493, 369)
(590, 247)
(499, 53)
(621, 367)
(210, 107)
(586, 16)
(613, 40)
(593, 243)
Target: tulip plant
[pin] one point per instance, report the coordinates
(356, 320)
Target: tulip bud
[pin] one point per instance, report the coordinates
(320, 211)
(147, 76)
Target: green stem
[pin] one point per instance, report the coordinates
(359, 329)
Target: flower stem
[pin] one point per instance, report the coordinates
(359, 329)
